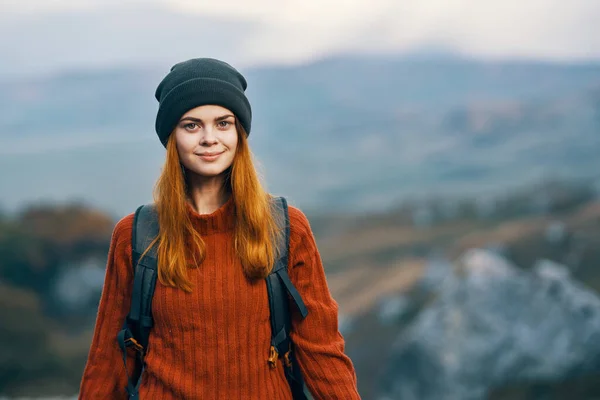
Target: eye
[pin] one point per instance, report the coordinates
(224, 124)
(190, 126)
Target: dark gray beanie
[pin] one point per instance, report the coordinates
(198, 82)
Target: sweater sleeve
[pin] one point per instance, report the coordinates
(104, 375)
(327, 370)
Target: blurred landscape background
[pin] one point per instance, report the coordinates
(447, 155)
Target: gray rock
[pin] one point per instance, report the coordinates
(391, 308)
(492, 324)
(551, 270)
(437, 270)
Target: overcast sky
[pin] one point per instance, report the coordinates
(38, 36)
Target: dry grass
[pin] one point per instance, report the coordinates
(359, 290)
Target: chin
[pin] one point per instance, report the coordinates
(209, 172)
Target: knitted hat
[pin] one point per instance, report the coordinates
(197, 82)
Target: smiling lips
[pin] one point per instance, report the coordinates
(210, 156)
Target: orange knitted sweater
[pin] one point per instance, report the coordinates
(214, 343)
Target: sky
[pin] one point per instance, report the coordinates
(40, 36)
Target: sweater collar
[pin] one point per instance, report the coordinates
(220, 220)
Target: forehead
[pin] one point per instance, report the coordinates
(207, 112)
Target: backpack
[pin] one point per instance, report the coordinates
(139, 322)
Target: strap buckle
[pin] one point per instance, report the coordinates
(286, 358)
(131, 342)
(273, 357)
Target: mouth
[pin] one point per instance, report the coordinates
(209, 156)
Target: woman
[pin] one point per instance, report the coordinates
(211, 334)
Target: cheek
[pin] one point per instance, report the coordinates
(232, 141)
(185, 143)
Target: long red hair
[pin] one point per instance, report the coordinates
(256, 230)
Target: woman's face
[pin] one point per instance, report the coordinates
(206, 139)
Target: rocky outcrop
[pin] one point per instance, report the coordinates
(492, 324)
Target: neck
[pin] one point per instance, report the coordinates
(207, 195)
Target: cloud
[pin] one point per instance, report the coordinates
(149, 36)
(106, 32)
(552, 29)
(533, 28)
(16, 7)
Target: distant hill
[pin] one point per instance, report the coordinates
(344, 133)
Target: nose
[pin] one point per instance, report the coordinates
(209, 136)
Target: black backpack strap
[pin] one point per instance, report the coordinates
(280, 289)
(139, 322)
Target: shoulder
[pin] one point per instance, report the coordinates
(119, 262)
(301, 234)
(298, 221)
(119, 265)
(121, 236)
(303, 248)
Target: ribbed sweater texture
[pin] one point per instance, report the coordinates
(213, 343)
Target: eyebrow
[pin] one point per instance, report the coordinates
(218, 119)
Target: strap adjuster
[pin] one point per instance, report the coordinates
(131, 342)
(286, 358)
(273, 357)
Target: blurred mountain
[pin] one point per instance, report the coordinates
(492, 324)
(344, 133)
